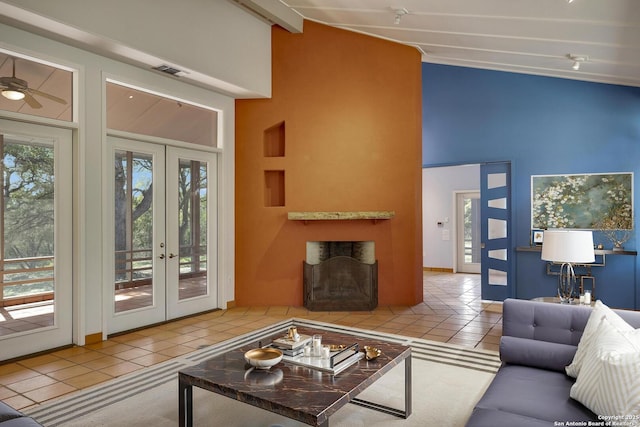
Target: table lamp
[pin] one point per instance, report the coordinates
(567, 247)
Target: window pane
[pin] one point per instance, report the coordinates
(192, 228)
(136, 111)
(27, 256)
(48, 90)
(133, 230)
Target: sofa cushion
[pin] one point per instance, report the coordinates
(584, 347)
(21, 422)
(483, 417)
(538, 354)
(7, 412)
(534, 393)
(609, 381)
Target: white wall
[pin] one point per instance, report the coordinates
(438, 187)
(90, 149)
(219, 43)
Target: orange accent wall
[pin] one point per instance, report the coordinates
(350, 106)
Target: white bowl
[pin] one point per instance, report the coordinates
(263, 358)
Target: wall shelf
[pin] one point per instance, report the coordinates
(340, 216)
(597, 251)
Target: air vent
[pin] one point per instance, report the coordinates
(170, 70)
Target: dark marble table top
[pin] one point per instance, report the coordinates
(304, 394)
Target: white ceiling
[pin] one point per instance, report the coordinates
(523, 36)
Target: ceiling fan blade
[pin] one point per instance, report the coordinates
(46, 95)
(31, 101)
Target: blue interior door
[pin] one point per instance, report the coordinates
(495, 197)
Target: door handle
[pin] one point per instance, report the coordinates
(482, 245)
(161, 256)
(172, 255)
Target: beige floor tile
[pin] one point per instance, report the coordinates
(31, 383)
(18, 402)
(6, 393)
(39, 360)
(150, 359)
(102, 362)
(88, 379)
(121, 368)
(53, 366)
(50, 392)
(19, 375)
(72, 371)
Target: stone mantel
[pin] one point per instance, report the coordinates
(342, 216)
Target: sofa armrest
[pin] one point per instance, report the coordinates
(537, 354)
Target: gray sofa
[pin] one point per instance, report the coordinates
(9, 417)
(531, 387)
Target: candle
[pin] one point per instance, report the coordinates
(316, 341)
(587, 297)
(326, 351)
(306, 350)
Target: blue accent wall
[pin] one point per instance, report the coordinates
(542, 125)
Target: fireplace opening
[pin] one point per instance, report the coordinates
(340, 276)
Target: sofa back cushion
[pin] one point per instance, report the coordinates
(542, 321)
(537, 354)
(560, 323)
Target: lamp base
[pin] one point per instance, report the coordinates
(566, 284)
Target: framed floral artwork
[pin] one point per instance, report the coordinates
(587, 201)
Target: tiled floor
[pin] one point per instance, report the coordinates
(452, 312)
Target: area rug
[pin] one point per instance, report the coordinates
(447, 382)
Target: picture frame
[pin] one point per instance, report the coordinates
(537, 237)
(588, 201)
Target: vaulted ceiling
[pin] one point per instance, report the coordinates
(523, 36)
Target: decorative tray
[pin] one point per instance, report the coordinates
(338, 361)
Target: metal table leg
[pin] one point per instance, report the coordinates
(185, 404)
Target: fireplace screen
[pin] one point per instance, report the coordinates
(340, 276)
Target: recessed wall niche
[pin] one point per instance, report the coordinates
(274, 141)
(274, 188)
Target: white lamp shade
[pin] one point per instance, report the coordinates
(568, 246)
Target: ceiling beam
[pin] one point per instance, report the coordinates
(274, 12)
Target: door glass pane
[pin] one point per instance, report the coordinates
(496, 180)
(192, 228)
(497, 277)
(497, 228)
(500, 203)
(26, 234)
(133, 230)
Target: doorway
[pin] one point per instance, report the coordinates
(163, 234)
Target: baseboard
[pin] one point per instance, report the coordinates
(231, 304)
(93, 338)
(438, 269)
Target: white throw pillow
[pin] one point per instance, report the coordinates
(609, 380)
(599, 311)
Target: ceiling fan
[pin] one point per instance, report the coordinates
(17, 89)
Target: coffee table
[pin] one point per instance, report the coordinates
(297, 392)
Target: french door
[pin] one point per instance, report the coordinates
(163, 234)
(36, 238)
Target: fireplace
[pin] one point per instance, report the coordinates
(340, 276)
